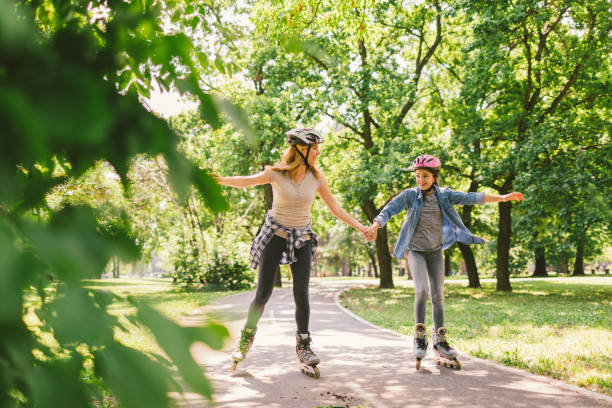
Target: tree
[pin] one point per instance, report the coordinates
(523, 65)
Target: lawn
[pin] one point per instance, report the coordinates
(560, 328)
(171, 300)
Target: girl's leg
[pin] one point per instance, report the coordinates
(270, 259)
(418, 268)
(435, 267)
(301, 278)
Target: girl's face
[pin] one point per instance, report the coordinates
(424, 178)
(314, 153)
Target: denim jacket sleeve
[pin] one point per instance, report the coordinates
(395, 206)
(460, 198)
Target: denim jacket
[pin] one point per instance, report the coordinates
(411, 199)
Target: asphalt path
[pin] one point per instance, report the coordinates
(361, 365)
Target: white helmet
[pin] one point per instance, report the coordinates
(304, 136)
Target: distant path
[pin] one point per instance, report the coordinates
(362, 364)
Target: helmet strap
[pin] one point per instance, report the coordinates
(303, 157)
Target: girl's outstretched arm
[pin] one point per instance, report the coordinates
(336, 210)
(262, 177)
(514, 196)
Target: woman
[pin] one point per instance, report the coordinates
(286, 236)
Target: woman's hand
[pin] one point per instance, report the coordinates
(514, 196)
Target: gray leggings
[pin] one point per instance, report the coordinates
(424, 267)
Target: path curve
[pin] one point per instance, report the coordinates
(361, 365)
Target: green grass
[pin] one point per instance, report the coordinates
(171, 300)
(561, 328)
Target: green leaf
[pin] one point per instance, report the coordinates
(133, 377)
(238, 118)
(176, 342)
(56, 384)
(75, 318)
(210, 190)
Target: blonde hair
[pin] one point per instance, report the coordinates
(291, 161)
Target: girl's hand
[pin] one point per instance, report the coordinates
(371, 232)
(515, 196)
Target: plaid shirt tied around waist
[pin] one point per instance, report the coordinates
(294, 241)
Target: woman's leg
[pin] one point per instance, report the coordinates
(301, 278)
(435, 267)
(418, 269)
(269, 261)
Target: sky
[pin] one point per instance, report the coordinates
(167, 104)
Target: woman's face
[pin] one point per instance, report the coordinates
(424, 178)
(314, 153)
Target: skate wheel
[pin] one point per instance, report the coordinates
(418, 364)
(458, 364)
(317, 373)
(234, 366)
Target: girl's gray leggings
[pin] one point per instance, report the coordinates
(428, 267)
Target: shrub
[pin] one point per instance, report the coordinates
(228, 273)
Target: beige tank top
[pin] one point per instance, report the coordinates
(292, 201)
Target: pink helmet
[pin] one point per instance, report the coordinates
(426, 161)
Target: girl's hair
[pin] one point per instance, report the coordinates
(291, 161)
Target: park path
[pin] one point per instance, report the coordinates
(361, 365)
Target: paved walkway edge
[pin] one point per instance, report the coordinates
(526, 374)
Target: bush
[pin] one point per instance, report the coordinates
(187, 265)
(228, 273)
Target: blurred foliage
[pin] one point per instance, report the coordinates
(72, 75)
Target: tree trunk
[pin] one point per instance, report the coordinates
(372, 255)
(466, 250)
(382, 247)
(116, 268)
(470, 265)
(503, 247)
(447, 263)
(345, 267)
(540, 262)
(384, 259)
(579, 263)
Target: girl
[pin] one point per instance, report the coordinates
(286, 236)
(431, 225)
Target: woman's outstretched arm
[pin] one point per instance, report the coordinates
(336, 210)
(262, 177)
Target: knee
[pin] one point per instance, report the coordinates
(420, 295)
(437, 300)
(262, 296)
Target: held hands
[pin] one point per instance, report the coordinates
(514, 196)
(371, 232)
